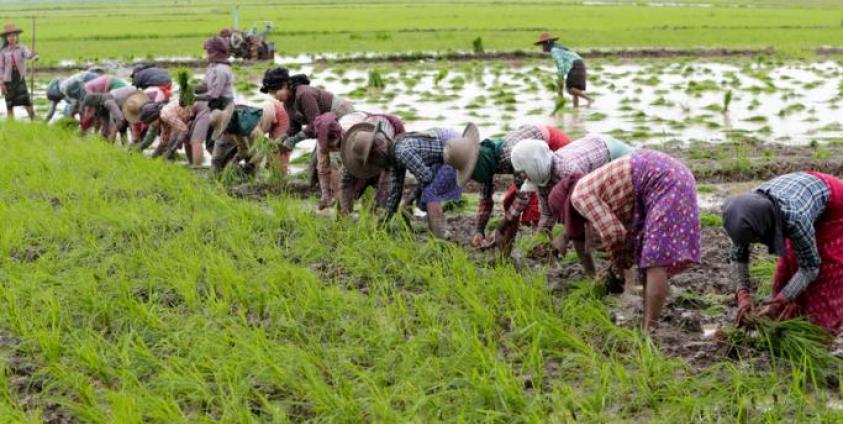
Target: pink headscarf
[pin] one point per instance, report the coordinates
(328, 130)
(217, 49)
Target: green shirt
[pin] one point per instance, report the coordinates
(564, 60)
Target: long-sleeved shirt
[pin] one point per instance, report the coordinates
(606, 198)
(564, 60)
(308, 103)
(578, 158)
(417, 153)
(800, 198)
(14, 57)
(175, 120)
(217, 82)
(103, 84)
(555, 140)
(121, 94)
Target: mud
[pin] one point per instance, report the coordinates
(751, 161)
(27, 387)
(521, 54)
(699, 308)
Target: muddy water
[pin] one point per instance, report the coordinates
(794, 103)
(791, 104)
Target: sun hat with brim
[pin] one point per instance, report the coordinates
(132, 107)
(545, 37)
(10, 29)
(462, 153)
(356, 148)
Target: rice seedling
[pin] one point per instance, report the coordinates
(727, 100)
(477, 45)
(375, 80)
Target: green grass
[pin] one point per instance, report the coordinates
(136, 291)
(135, 29)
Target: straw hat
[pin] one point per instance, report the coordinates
(132, 107)
(462, 153)
(545, 37)
(10, 29)
(356, 148)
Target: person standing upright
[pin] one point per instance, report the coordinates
(13, 58)
(570, 66)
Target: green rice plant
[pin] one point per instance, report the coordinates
(800, 342)
(711, 220)
(375, 80)
(441, 75)
(477, 45)
(727, 100)
(560, 104)
(186, 92)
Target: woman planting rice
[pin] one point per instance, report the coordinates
(304, 104)
(330, 138)
(437, 159)
(798, 217)
(570, 66)
(13, 57)
(495, 158)
(248, 124)
(643, 207)
(215, 96)
(555, 173)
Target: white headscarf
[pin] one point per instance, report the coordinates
(534, 158)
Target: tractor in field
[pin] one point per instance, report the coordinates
(252, 44)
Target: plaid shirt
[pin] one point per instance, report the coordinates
(418, 153)
(606, 198)
(564, 60)
(487, 204)
(580, 157)
(801, 199)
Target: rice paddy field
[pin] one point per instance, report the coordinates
(138, 290)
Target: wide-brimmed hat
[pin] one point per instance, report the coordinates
(545, 37)
(356, 149)
(10, 29)
(132, 107)
(462, 153)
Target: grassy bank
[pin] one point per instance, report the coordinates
(138, 29)
(136, 291)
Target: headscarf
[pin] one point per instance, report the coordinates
(487, 160)
(54, 93)
(217, 50)
(754, 218)
(535, 159)
(274, 78)
(327, 129)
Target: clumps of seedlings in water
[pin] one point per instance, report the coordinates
(477, 45)
(756, 118)
(375, 80)
(791, 109)
(661, 101)
(441, 75)
(727, 100)
(596, 117)
(559, 105)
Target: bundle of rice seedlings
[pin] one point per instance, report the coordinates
(797, 340)
(727, 100)
(560, 104)
(186, 93)
(375, 79)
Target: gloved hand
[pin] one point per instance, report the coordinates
(745, 306)
(779, 308)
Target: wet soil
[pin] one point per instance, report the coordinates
(521, 54)
(700, 305)
(737, 162)
(26, 386)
